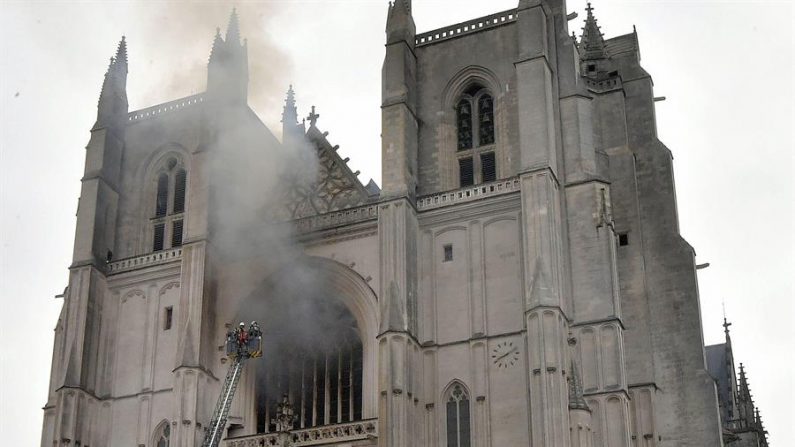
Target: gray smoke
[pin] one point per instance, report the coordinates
(178, 36)
(259, 265)
(261, 272)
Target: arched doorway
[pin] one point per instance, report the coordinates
(319, 321)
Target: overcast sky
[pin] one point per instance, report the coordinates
(726, 68)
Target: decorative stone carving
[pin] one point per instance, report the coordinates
(334, 187)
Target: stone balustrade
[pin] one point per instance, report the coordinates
(468, 194)
(323, 435)
(157, 258)
(160, 109)
(336, 218)
(468, 27)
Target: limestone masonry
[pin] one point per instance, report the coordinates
(518, 279)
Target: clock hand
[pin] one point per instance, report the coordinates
(503, 356)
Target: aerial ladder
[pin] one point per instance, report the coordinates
(241, 345)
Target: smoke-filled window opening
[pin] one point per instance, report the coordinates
(167, 221)
(324, 387)
(313, 355)
(476, 137)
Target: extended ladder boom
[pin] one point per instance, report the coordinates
(213, 436)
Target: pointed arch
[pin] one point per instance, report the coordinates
(165, 175)
(458, 415)
(162, 435)
(471, 152)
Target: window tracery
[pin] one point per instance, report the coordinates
(475, 124)
(163, 435)
(168, 221)
(458, 417)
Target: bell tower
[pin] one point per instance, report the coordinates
(227, 71)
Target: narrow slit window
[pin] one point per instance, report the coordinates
(179, 191)
(357, 382)
(159, 236)
(168, 318)
(623, 239)
(488, 166)
(448, 252)
(162, 195)
(320, 404)
(486, 119)
(466, 171)
(176, 234)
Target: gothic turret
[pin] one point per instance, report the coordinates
(291, 129)
(592, 43)
(579, 413)
(227, 71)
(398, 107)
(113, 97)
(400, 23)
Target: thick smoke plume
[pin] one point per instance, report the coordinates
(178, 36)
(260, 269)
(262, 273)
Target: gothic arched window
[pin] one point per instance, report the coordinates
(168, 221)
(476, 159)
(458, 426)
(163, 435)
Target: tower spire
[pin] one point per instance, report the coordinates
(592, 43)
(121, 52)
(227, 70)
(290, 113)
(113, 97)
(233, 28)
(291, 129)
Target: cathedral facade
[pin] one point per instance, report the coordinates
(518, 279)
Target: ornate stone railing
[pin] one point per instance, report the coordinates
(336, 218)
(160, 109)
(323, 435)
(160, 257)
(468, 194)
(468, 27)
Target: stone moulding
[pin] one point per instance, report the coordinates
(429, 202)
(336, 218)
(160, 109)
(468, 194)
(468, 27)
(129, 264)
(326, 434)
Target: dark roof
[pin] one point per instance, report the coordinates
(718, 367)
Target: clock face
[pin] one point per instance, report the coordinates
(505, 354)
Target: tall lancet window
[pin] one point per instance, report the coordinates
(486, 120)
(476, 137)
(464, 119)
(458, 428)
(169, 208)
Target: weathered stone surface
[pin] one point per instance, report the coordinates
(474, 305)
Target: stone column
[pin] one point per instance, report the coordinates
(397, 229)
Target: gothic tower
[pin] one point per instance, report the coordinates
(518, 280)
